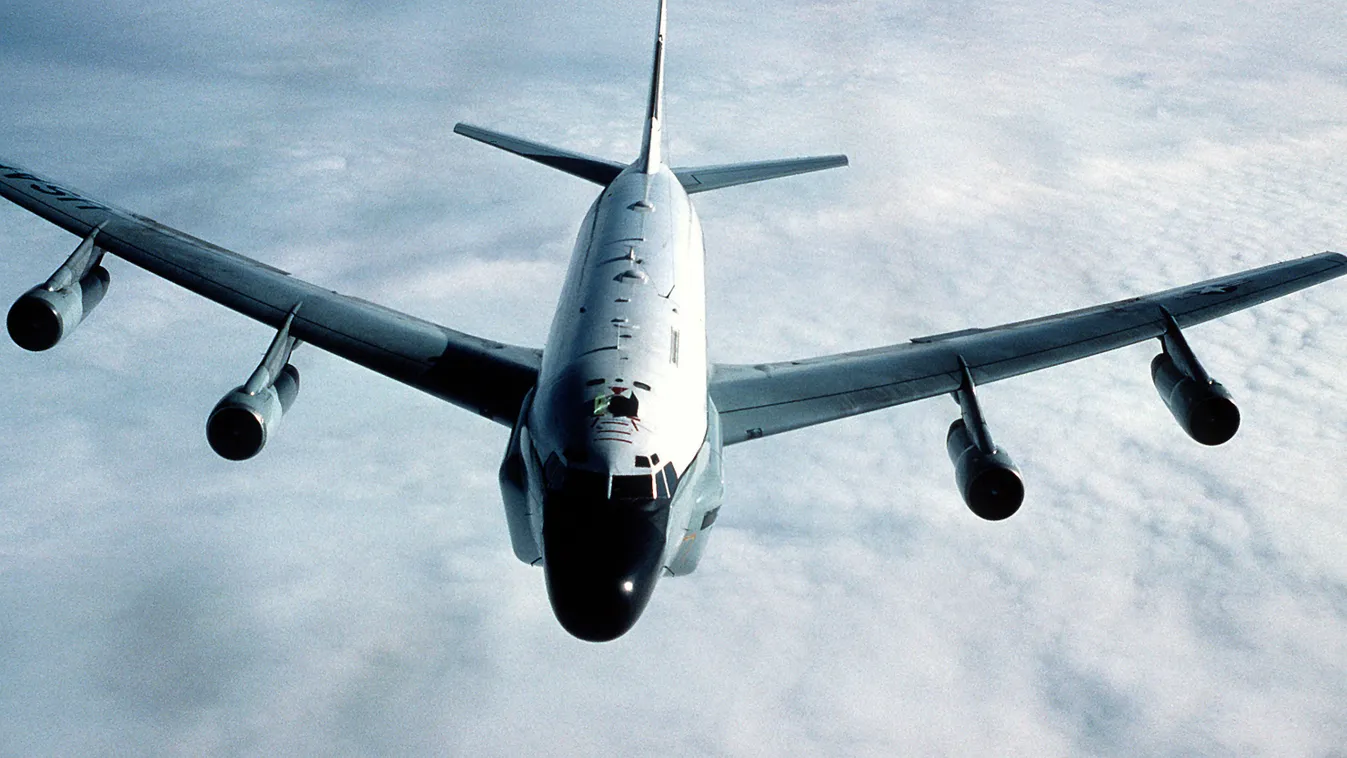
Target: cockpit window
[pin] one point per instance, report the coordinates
(635, 487)
(577, 483)
(624, 405)
(615, 405)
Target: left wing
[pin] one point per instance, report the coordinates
(759, 400)
(484, 376)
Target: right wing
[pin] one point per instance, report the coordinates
(759, 400)
(487, 377)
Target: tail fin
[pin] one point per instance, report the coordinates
(652, 143)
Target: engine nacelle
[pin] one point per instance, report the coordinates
(514, 489)
(989, 482)
(1203, 408)
(44, 316)
(242, 422)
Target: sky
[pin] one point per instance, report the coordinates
(351, 591)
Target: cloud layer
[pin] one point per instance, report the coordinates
(352, 590)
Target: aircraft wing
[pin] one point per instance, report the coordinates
(478, 374)
(759, 400)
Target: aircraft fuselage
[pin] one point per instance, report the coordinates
(620, 446)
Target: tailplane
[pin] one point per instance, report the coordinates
(651, 159)
(596, 170)
(705, 178)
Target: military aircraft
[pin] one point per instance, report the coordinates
(612, 476)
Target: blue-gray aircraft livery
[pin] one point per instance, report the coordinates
(612, 475)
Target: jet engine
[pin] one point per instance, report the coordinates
(988, 479)
(246, 417)
(44, 315)
(989, 482)
(242, 422)
(1199, 403)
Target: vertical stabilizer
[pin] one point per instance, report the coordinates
(651, 153)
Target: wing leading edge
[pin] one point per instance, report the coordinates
(487, 377)
(764, 399)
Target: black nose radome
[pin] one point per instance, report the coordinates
(602, 560)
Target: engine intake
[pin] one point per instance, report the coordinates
(47, 313)
(42, 317)
(1199, 403)
(242, 422)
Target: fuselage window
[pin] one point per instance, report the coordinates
(710, 517)
(642, 386)
(593, 382)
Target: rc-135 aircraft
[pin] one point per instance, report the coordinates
(612, 474)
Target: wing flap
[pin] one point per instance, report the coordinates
(487, 377)
(756, 401)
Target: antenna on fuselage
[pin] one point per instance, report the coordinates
(651, 153)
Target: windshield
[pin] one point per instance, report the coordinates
(579, 485)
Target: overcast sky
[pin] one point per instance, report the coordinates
(352, 590)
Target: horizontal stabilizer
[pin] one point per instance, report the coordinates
(596, 170)
(707, 178)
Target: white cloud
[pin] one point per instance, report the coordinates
(352, 589)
